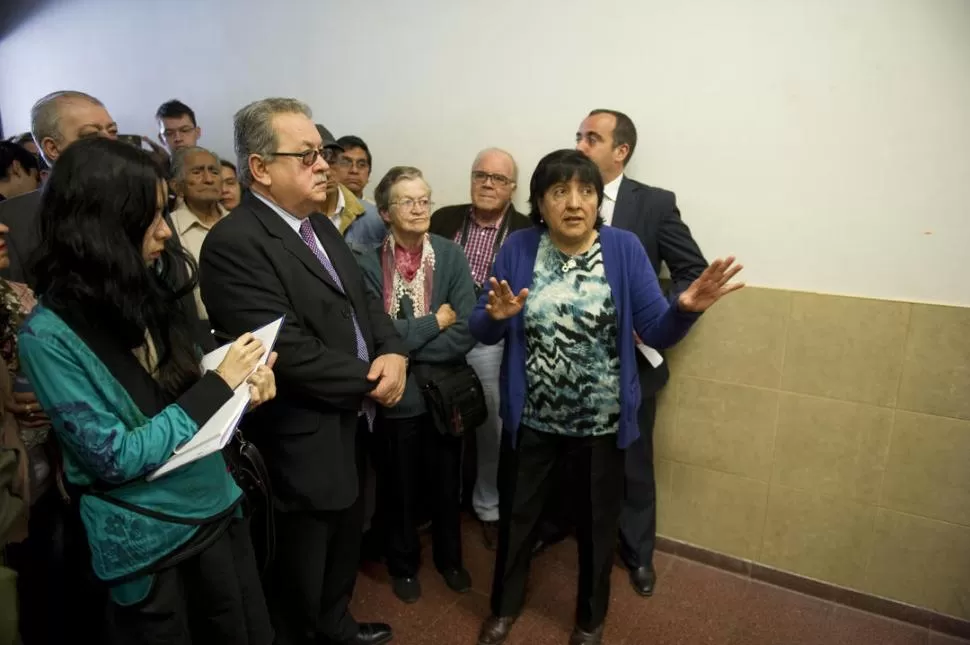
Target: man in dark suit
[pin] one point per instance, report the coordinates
(609, 138)
(481, 228)
(339, 358)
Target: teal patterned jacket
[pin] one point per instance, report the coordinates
(105, 437)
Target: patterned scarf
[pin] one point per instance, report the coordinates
(407, 273)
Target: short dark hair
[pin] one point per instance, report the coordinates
(22, 138)
(558, 167)
(352, 141)
(228, 164)
(11, 152)
(623, 132)
(174, 109)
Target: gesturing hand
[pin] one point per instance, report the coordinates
(711, 286)
(502, 303)
(390, 372)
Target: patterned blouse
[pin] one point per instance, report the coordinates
(572, 362)
(16, 302)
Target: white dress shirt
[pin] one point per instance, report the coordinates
(341, 204)
(610, 192)
(291, 221)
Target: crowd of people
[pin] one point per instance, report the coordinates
(123, 261)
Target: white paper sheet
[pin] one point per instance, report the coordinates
(652, 355)
(218, 430)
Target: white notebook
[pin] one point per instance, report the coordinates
(218, 430)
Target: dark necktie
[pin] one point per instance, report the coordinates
(309, 237)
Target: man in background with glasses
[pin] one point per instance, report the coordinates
(348, 213)
(176, 126)
(481, 228)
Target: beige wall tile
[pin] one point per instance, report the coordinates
(827, 538)
(921, 561)
(714, 510)
(936, 370)
(928, 472)
(740, 340)
(845, 348)
(723, 427)
(835, 448)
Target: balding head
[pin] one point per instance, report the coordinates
(494, 177)
(61, 118)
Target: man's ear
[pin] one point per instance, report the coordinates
(259, 171)
(50, 149)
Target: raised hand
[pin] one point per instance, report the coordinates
(711, 286)
(502, 303)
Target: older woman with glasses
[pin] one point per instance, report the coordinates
(568, 297)
(426, 287)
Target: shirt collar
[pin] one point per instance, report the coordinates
(291, 220)
(184, 218)
(612, 189)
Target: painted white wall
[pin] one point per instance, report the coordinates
(825, 142)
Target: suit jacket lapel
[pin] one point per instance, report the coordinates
(625, 212)
(290, 239)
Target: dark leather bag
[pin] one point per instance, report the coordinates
(249, 470)
(453, 395)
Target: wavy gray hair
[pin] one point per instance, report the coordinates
(253, 132)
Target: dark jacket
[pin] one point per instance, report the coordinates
(447, 221)
(652, 215)
(254, 269)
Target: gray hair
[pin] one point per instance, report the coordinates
(45, 116)
(515, 166)
(253, 132)
(180, 159)
(382, 194)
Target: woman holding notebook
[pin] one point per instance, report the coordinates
(109, 352)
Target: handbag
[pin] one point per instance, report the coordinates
(453, 395)
(247, 467)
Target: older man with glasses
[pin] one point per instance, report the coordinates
(339, 358)
(481, 228)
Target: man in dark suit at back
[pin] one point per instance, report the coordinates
(339, 358)
(608, 137)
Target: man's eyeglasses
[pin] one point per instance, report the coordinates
(309, 157)
(347, 162)
(423, 204)
(480, 177)
(185, 129)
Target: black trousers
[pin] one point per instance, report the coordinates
(415, 462)
(214, 597)
(526, 480)
(638, 520)
(312, 578)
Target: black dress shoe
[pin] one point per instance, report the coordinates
(458, 580)
(643, 580)
(371, 634)
(583, 637)
(406, 589)
(495, 630)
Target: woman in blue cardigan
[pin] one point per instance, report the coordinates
(569, 378)
(110, 355)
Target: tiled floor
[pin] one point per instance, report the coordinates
(693, 604)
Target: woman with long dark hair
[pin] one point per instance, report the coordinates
(110, 354)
